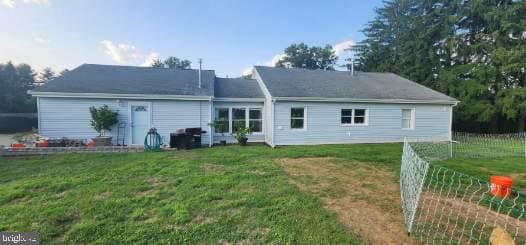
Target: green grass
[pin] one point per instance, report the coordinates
(483, 168)
(223, 194)
(231, 194)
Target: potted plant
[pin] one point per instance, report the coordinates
(102, 119)
(221, 127)
(241, 135)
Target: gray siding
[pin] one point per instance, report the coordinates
(251, 138)
(65, 117)
(384, 123)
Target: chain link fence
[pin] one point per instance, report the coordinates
(445, 206)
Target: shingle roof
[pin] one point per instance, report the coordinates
(111, 79)
(237, 88)
(284, 82)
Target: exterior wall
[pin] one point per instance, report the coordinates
(230, 139)
(268, 111)
(69, 117)
(323, 123)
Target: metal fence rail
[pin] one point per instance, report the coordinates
(443, 206)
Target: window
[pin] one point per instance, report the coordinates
(359, 116)
(238, 119)
(354, 117)
(346, 116)
(255, 120)
(229, 120)
(297, 118)
(221, 124)
(408, 119)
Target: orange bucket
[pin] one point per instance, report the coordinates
(501, 186)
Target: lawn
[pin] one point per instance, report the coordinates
(223, 195)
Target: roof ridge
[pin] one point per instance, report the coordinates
(144, 67)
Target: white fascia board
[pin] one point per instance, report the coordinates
(390, 101)
(118, 96)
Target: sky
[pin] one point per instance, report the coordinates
(230, 36)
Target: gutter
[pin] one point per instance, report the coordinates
(117, 96)
(389, 101)
(226, 99)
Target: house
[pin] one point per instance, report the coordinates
(281, 106)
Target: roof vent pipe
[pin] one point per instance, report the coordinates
(352, 66)
(199, 73)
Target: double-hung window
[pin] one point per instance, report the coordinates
(297, 118)
(354, 117)
(222, 118)
(255, 120)
(408, 118)
(238, 119)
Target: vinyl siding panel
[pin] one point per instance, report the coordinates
(67, 117)
(70, 118)
(230, 139)
(384, 123)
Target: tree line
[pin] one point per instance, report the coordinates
(15, 81)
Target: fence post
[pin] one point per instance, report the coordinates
(451, 149)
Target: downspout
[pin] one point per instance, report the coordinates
(211, 134)
(39, 118)
(272, 122)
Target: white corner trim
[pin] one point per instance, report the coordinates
(118, 96)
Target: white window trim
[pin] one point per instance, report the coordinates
(247, 119)
(304, 118)
(412, 121)
(353, 124)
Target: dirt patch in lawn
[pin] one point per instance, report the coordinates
(365, 198)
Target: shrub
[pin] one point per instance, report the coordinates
(102, 119)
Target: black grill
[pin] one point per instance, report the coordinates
(189, 138)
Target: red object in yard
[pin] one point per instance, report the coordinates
(90, 143)
(42, 144)
(501, 186)
(18, 145)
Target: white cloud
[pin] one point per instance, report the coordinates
(13, 3)
(275, 60)
(247, 71)
(340, 47)
(39, 39)
(121, 52)
(148, 61)
(125, 53)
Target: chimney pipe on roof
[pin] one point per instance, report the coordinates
(199, 73)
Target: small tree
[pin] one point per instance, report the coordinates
(102, 119)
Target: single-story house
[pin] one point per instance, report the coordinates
(282, 106)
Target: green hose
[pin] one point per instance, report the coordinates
(154, 142)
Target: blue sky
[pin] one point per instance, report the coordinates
(230, 36)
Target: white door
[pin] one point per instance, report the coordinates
(140, 122)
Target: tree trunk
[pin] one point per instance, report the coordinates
(522, 122)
